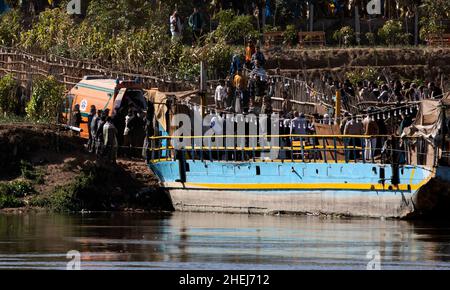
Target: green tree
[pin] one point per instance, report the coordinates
(10, 28)
(49, 33)
(392, 33)
(8, 98)
(233, 28)
(434, 12)
(46, 100)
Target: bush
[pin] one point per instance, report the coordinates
(49, 33)
(370, 36)
(87, 191)
(30, 173)
(369, 74)
(234, 28)
(10, 27)
(345, 36)
(17, 188)
(46, 100)
(434, 14)
(9, 201)
(8, 99)
(290, 35)
(392, 33)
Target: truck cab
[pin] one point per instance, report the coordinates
(114, 95)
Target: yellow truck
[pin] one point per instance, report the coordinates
(114, 95)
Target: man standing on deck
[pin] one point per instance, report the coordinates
(258, 56)
(240, 84)
(249, 52)
(370, 130)
(299, 124)
(434, 91)
(355, 128)
(220, 95)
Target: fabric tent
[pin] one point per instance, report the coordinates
(430, 118)
(159, 100)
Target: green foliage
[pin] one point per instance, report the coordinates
(112, 16)
(234, 28)
(10, 201)
(49, 33)
(10, 27)
(8, 99)
(17, 188)
(87, 191)
(290, 35)
(369, 74)
(370, 37)
(270, 28)
(434, 12)
(46, 99)
(392, 33)
(30, 173)
(39, 201)
(345, 36)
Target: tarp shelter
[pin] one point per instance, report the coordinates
(159, 100)
(427, 144)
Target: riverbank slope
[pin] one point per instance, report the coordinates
(45, 167)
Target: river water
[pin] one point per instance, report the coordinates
(186, 241)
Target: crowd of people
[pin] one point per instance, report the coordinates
(248, 89)
(105, 132)
(245, 90)
(394, 91)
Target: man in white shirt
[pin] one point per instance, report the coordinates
(220, 95)
(299, 124)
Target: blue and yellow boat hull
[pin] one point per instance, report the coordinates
(353, 189)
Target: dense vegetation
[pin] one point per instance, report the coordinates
(135, 33)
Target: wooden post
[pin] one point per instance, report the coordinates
(203, 103)
(337, 113)
(357, 26)
(416, 26)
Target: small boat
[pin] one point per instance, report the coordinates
(322, 174)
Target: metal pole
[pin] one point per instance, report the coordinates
(337, 112)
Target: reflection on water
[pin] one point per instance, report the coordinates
(219, 241)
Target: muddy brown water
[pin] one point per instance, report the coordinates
(219, 241)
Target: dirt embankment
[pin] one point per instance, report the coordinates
(410, 63)
(68, 176)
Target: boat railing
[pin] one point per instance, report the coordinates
(382, 149)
